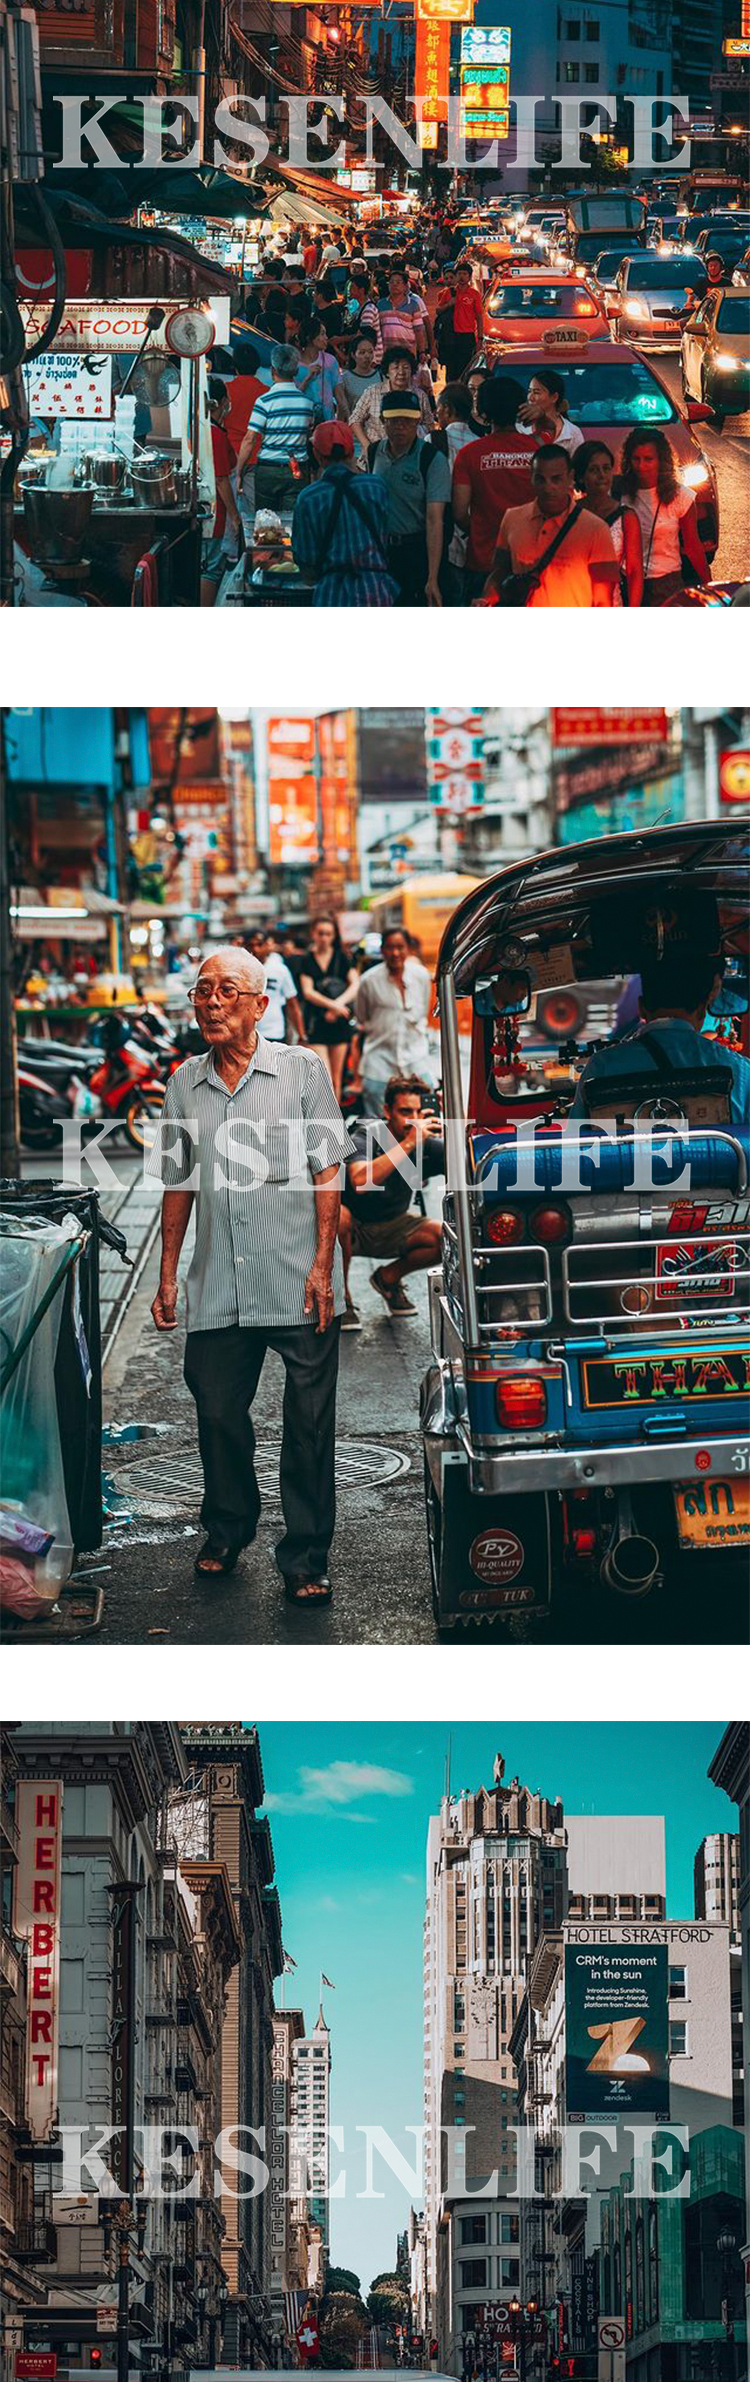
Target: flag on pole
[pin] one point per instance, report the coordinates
(328, 1981)
(289, 1964)
(294, 2307)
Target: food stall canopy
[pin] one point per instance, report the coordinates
(290, 207)
(63, 913)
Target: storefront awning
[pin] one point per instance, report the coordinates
(62, 914)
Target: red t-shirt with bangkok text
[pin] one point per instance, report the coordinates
(497, 472)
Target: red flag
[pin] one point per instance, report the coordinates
(307, 2340)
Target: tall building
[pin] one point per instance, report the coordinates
(289, 2222)
(311, 2068)
(616, 1866)
(495, 1884)
(219, 1817)
(716, 1880)
(730, 1770)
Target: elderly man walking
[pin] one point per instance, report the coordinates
(253, 1138)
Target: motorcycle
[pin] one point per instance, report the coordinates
(119, 1075)
(584, 1416)
(44, 1101)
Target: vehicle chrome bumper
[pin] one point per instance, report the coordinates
(539, 1468)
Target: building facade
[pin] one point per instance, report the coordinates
(730, 1770)
(311, 2092)
(495, 1883)
(716, 1880)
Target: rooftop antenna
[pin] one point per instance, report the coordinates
(448, 1769)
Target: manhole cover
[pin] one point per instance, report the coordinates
(172, 1484)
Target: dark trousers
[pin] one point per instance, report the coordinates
(222, 1370)
(407, 562)
(461, 346)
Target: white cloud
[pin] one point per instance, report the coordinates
(340, 1784)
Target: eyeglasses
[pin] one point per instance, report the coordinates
(227, 994)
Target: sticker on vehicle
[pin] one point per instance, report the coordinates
(497, 1556)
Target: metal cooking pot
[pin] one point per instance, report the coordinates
(106, 471)
(57, 520)
(32, 472)
(153, 478)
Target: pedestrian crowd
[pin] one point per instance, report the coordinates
(360, 415)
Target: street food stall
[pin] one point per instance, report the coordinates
(118, 472)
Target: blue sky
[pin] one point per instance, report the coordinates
(349, 1805)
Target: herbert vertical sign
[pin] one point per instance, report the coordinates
(36, 1919)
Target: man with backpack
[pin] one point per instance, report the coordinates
(340, 528)
(415, 473)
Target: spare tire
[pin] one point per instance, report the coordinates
(561, 1013)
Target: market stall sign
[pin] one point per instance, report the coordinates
(585, 725)
(36, 1919)
(69, 387)
(119, 326)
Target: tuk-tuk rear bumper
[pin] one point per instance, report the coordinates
(539, 1463)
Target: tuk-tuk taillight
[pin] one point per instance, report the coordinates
(504, 1226)
(521, 1401)
(550, 1225)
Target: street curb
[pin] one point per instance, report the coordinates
(130, 1288)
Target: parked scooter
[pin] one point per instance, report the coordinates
(44, 1102)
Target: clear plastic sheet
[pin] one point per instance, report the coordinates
(31, 1469)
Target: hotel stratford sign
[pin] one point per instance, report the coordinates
(36, 1920)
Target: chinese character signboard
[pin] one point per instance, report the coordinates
(616, 2020)
(485, 82)
(36, 1920)
(70, 388)
(445, 12)
(455, 760)
(432, 60)
(590, 725)
(292, 792)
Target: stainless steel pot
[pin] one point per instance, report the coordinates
(32, 472)
(57, 520)
(106, 471)
(153, 478)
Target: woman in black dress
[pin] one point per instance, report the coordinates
(328, 984)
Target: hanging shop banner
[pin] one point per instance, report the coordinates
(293, 821)
(338, 801)
(444, 12)
(734, 776)
(71, 388)
(123, 2034)
(36, 1920)
(104, 325)
(432, 66)
(290, 744)
(455, 759)
(617, 2030)
(580, 725)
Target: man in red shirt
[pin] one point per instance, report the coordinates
(214, 557)
(465, 333)
(242, 392)
(489, 475)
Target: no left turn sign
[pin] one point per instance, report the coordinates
(611, 2332)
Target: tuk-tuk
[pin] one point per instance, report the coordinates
(584, 1416)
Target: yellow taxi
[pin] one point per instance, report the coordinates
(522, 304)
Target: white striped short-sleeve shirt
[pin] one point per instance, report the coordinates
(251, 1157)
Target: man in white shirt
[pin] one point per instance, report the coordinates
(284, 1006)
(391, 1012)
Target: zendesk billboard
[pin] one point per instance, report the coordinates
(616, 2022)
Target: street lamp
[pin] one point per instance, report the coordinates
(522, 2321)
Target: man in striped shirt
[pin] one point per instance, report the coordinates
(256, 1151)
(340, 531)
(277, 434)
(404, 320)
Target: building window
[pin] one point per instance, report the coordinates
(572, 73)
(678, 1991)
(678, 2038)
(572, 29)
(509, 2271)
(473, 2229)
(509, 2228)
(591, 29)
(472, 2271)
(591, 73)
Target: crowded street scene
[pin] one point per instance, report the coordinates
(441, 341)
(356, 1944)
(374, 1176)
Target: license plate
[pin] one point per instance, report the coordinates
(702, 1269)
(713, 1513)
(687, 1377)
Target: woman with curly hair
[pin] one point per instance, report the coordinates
(666, 512)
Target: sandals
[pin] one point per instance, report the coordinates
(223, 1558)
(296, 1582)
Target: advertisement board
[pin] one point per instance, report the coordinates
(602, 724)
(432, 61)
(36, 1920)
(617, 2032)
(485, 45)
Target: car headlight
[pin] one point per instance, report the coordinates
(695, 475)
(726, 362)
(635, 306)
